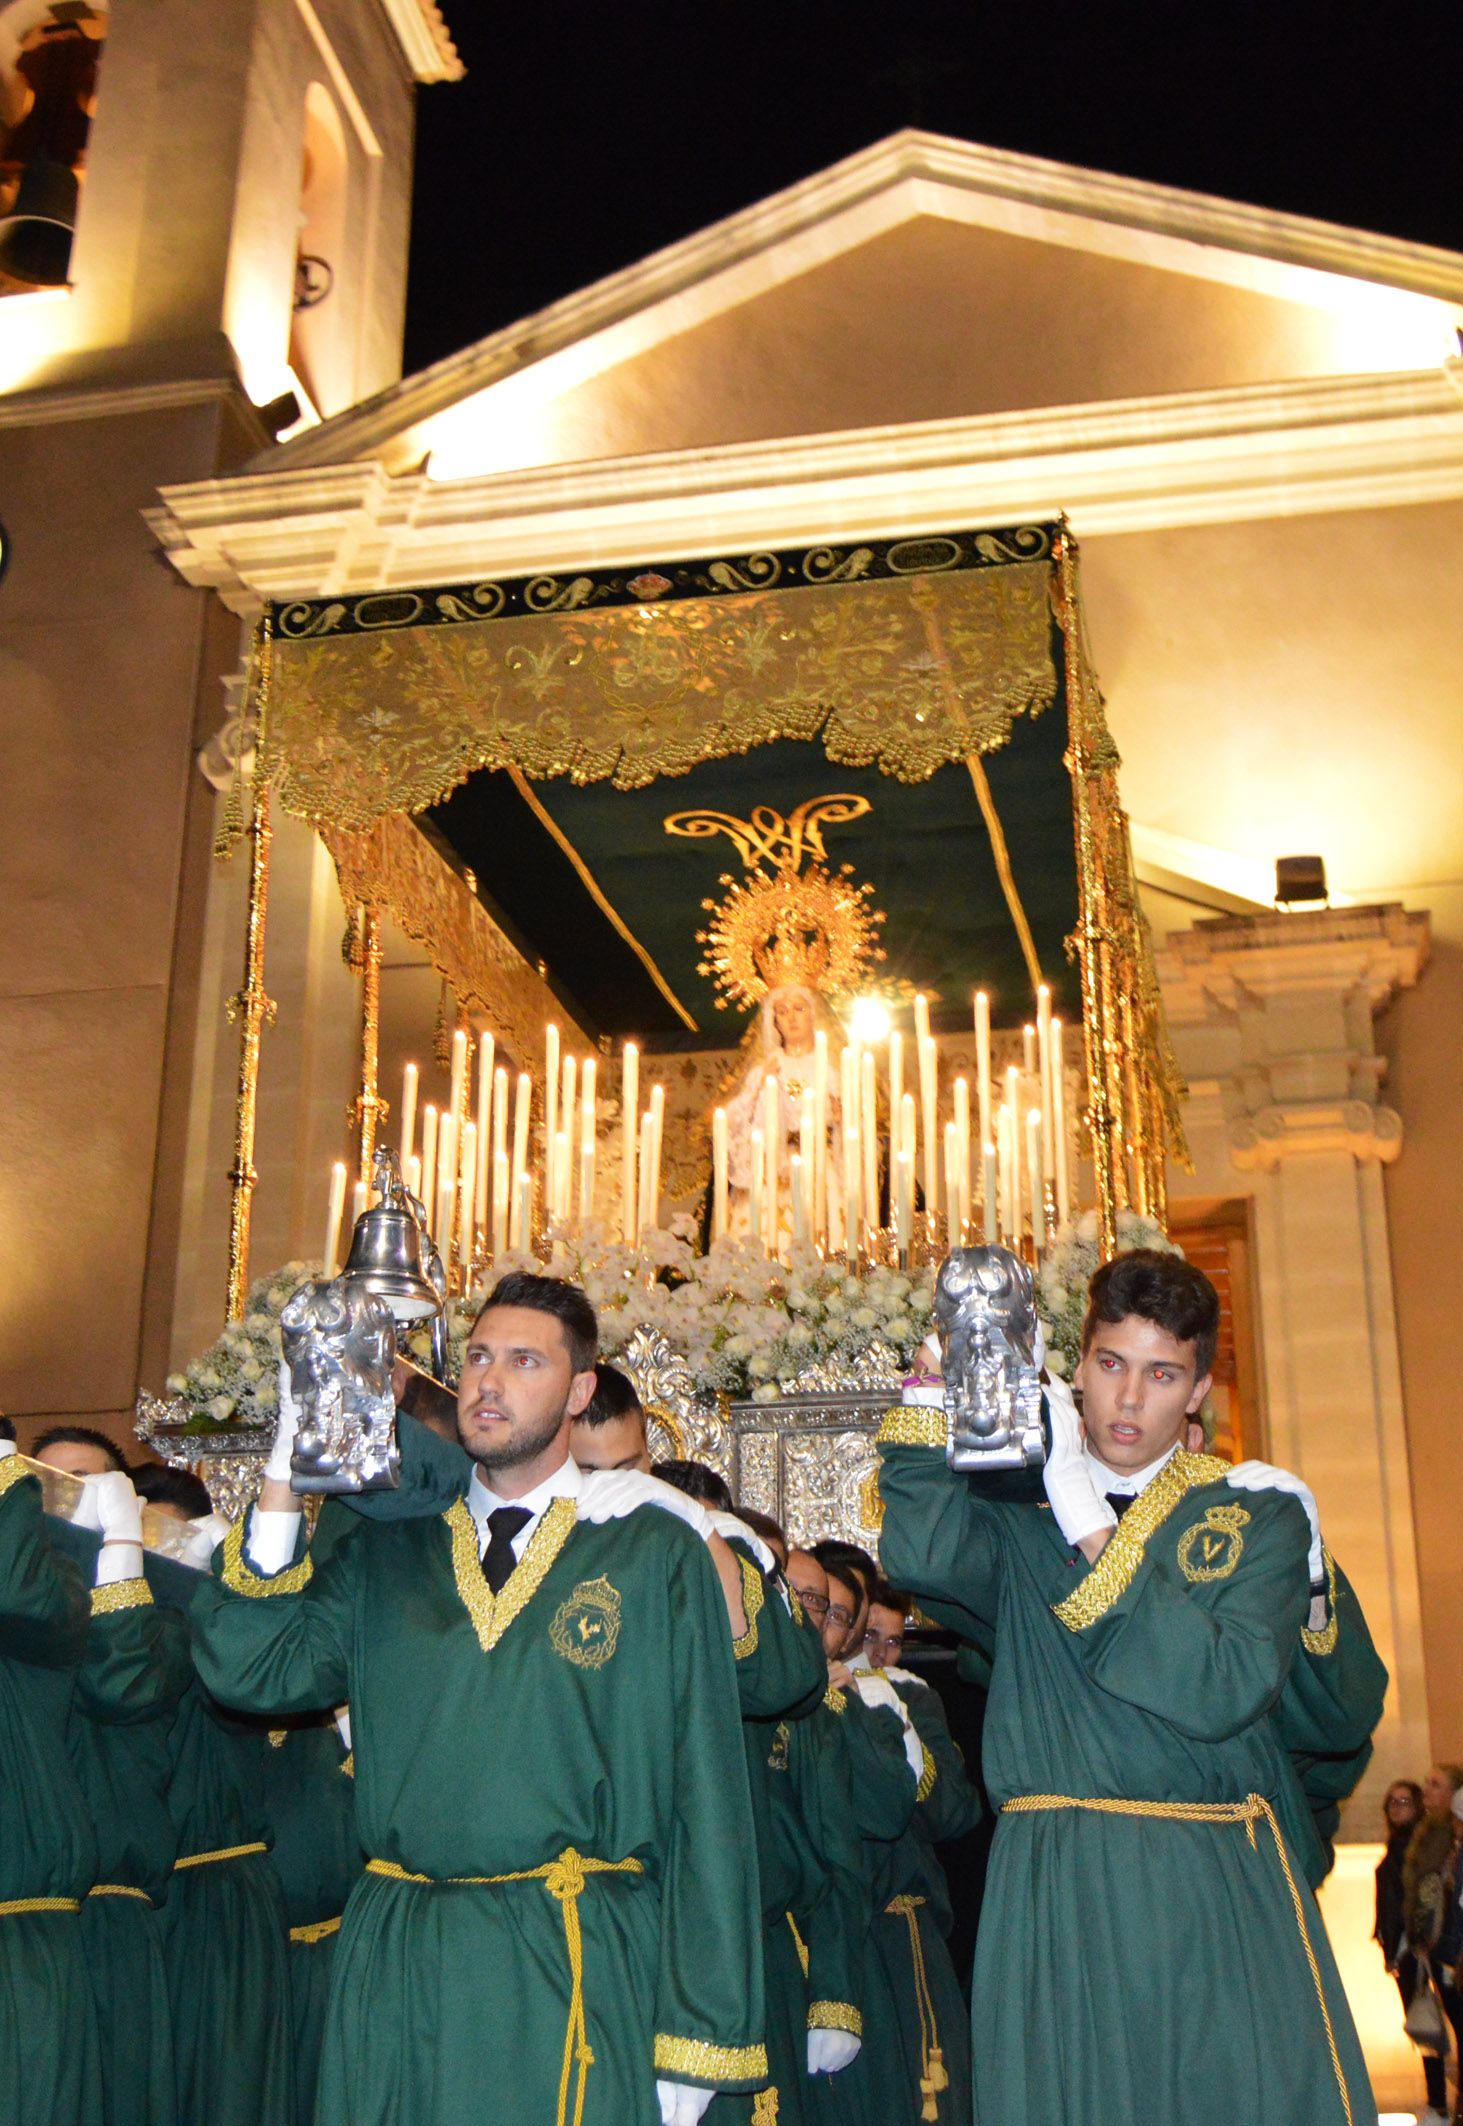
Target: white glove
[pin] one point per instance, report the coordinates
(343, 1725)
(830, 2051)
(680, 2105)
(7, 1446)
(1078, 1507)
(286, 1425)
(733, 1530)
(609, 1494)
(1263, 1476)
(203, 1538)
(118, 1512)
(875, 1689)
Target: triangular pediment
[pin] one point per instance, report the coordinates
(923, 280)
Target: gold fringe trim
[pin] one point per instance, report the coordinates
(241, 1578)
(492, 1613)
(927, 1777)
(836, 2015)
(1117, 1567)
(754, 1594)
(699, 2060)
(918, 1426)
(120, 1594)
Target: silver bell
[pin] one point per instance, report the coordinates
(386, 1247)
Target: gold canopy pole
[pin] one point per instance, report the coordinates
(368, 1110)
(251, 1006)
(1099, 1032)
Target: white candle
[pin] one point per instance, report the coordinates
(849, 1176)
(459, 1073)
(642, 1201)
(588, 1137)
(500, 1111)
(335, 1211)
(467, 1189)
(568, 1129)
(1059, 1126)
(988, 1189)
(929, 1102)
(428, 1190)
(807, 1108)
(486, 1047)
(869, 1143)
(360, 1196)
(720, 1162)
(799, 1207)
(921, 1018)
(983, 1064)
(1033, 1177)
(629, 1108)
(561, 1176)
(502, 1197)
(960, 1209)
(447, 1185)
(819, 1181)
(896, 1089)
(1006, 1214)
(754, 1193)
(908, 1132)
(1028, 1050)
(903, 1202)
(408, 1133)
(413, 1175)
(952, 1183)
(551, 1094)
(657, 1126)
(522, 1102)
(523, 1233)
(1044, 1063)
(772, 1143)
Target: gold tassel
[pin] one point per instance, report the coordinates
(353, 943)
(938, 2077)
(441, 1038)
(931, 2107)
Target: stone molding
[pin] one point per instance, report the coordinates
(1261, 1141)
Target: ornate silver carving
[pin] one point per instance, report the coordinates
(680, 1424)
(340, 1347)
(229, 1460)
(985, 1311)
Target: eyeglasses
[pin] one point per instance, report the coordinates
(815, 1604)
(837, 1614)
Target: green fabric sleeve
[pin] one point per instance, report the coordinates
(940, 1539)
(44, 1607)
(781, 1666)
(832, 1908)
(1208, 1667)
(434, 1472)
(949, 1804)
(136, 1666)
(1334, 1692)
(883, 1785)
(709, 2026)
(276, 1643)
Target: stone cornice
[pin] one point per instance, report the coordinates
(425, 39)
(45, 408)
(1196, 458)
(1222, 963)
(1259, 1143)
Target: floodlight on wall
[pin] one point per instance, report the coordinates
(1300, 879)
(35, 236)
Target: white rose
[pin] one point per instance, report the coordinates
(766, 1391)
(759, 1365)
(266, 1395)
(177, 1383)
(209, 1379)
(863, 1317)
(221, 1409)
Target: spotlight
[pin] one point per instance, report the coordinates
(1300, 879)
(869, 1019)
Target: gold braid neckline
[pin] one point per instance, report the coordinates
(491, 1613)
(1117, 1567)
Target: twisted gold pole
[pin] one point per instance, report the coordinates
(368, 1110)
(251, 1006)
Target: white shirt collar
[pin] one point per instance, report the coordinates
(565, 1483)
(1129, 1483)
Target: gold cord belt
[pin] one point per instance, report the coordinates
(118, 1889)
(223, 1852)
(1252, 1810)
(316, 1930)
(933, 2077)
(564, 1879)
(14, 1907)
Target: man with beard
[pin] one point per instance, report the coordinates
(556, 1921)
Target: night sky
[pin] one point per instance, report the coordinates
(587, 136)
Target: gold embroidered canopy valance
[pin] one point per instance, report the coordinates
(902, 655)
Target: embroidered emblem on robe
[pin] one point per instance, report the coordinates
(1211, 1549)
(586, 1627)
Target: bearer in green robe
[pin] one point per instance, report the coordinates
(316, 1853)
(1148, 1949)
(556, 1923)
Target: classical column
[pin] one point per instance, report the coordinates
(1272, 1018)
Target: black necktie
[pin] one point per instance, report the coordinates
(1120, 1501)
(504, 1522)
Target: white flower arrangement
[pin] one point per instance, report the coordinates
(746, 1326)
(236, 1380)
(1067, 1268)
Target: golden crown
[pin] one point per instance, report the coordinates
(814, 928)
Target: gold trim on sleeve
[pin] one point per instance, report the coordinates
(798, 1943)
(239, 1575)
(754, 1593)
(698, 2060)
(121, 1594)
(835, 2015)
(927, 1777)
(917, 1426)
(491, 1613)
(1117, 1567)
(1324, 1640)
(13, 1469)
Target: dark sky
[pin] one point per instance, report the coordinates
(586, 136)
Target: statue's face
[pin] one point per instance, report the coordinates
(792, 1015)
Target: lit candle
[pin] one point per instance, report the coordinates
(754, 1193)
(1028, 1050)
(486, 1047)
(408, 1112)
(330, 1253)
(849, 1178)
(588, 1138)
(921, 1018)
(896, 1085)
(799, 1207)
(642, 1201)
(467, 1189)
(988, 1190)
(568, 1128)
(903, 1203)
(413, 1175)
(1033, 1178)
(447, 1184)
(1006, 1213)
(657, 1126)
(908, 1133)
(959, 1209)
(929, 1102)
(502, 1197)
(523, 1234)
(983, 1064)
(560, 1177)
(500, 1112)
(952, 1183)
(522, 1102)
(869, 1141)
(629, 1108)
(459, 1073)
(551, 1094)
(428, 1190)
(720, 1162)
(1044, 1062)
(1059, 1126)
(772, 1143)
(819, 1182)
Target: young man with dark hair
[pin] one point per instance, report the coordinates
(1145, 1607)
(609, 1432)
(698, 1482)
(544, 1707)
(78, 1449)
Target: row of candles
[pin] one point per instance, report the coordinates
(480, 1184)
